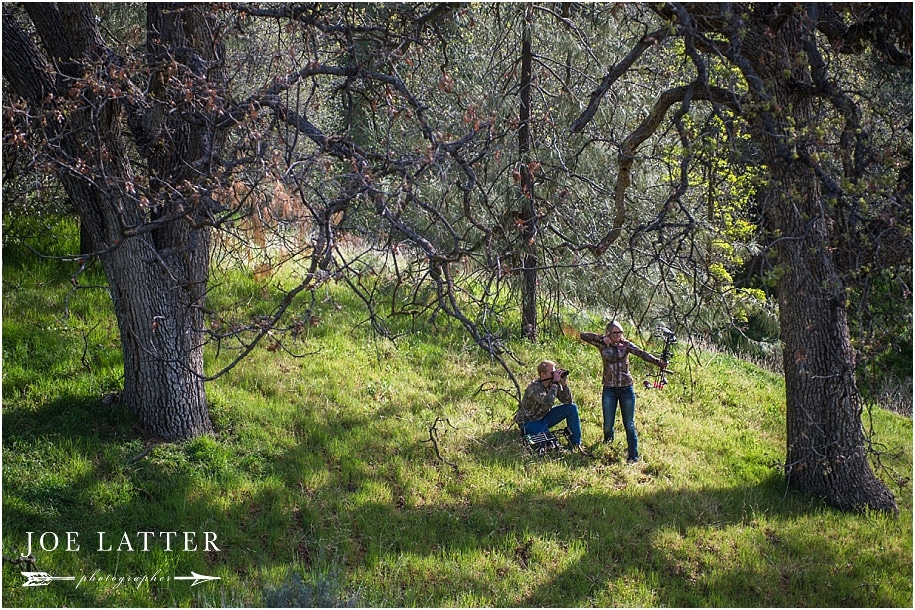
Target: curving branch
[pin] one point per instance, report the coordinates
(629, 146)
(646, 42)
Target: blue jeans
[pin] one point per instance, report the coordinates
(567, 412)
(626, 399)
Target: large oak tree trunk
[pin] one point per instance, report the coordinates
(157, 272)
(826, 453)
(161, 341)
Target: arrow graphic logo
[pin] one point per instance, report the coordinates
(43, 579)
(197, 578)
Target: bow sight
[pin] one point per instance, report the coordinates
(661, 376)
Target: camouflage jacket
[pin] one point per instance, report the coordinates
(616, 359)
(537, 401)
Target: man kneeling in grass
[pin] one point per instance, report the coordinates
(537, 413)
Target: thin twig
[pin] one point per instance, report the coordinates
(24, 561)
(142, 455)
(433, 438)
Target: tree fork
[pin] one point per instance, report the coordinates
(156, 292)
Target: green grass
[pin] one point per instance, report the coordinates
(323, 487)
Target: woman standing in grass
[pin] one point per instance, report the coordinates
(617, 381)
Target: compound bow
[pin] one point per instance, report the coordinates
(661, 376)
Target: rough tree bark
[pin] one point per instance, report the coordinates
(826, 452)
(154, 251)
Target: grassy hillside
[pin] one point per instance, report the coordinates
(324, 488)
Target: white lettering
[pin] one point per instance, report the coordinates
(71, 540)
(146, 536)
(168, 539)
(101, 543)
(141, 541)
(125, 541)
(188, 541)
(43, 546)
(209, 541)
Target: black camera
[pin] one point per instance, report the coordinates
(668, 334)
(563, 374)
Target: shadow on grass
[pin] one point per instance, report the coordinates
(73, 417)
(618, 532)
(70, 466)
(287, 519)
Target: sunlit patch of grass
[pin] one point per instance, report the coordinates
(322, 476)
